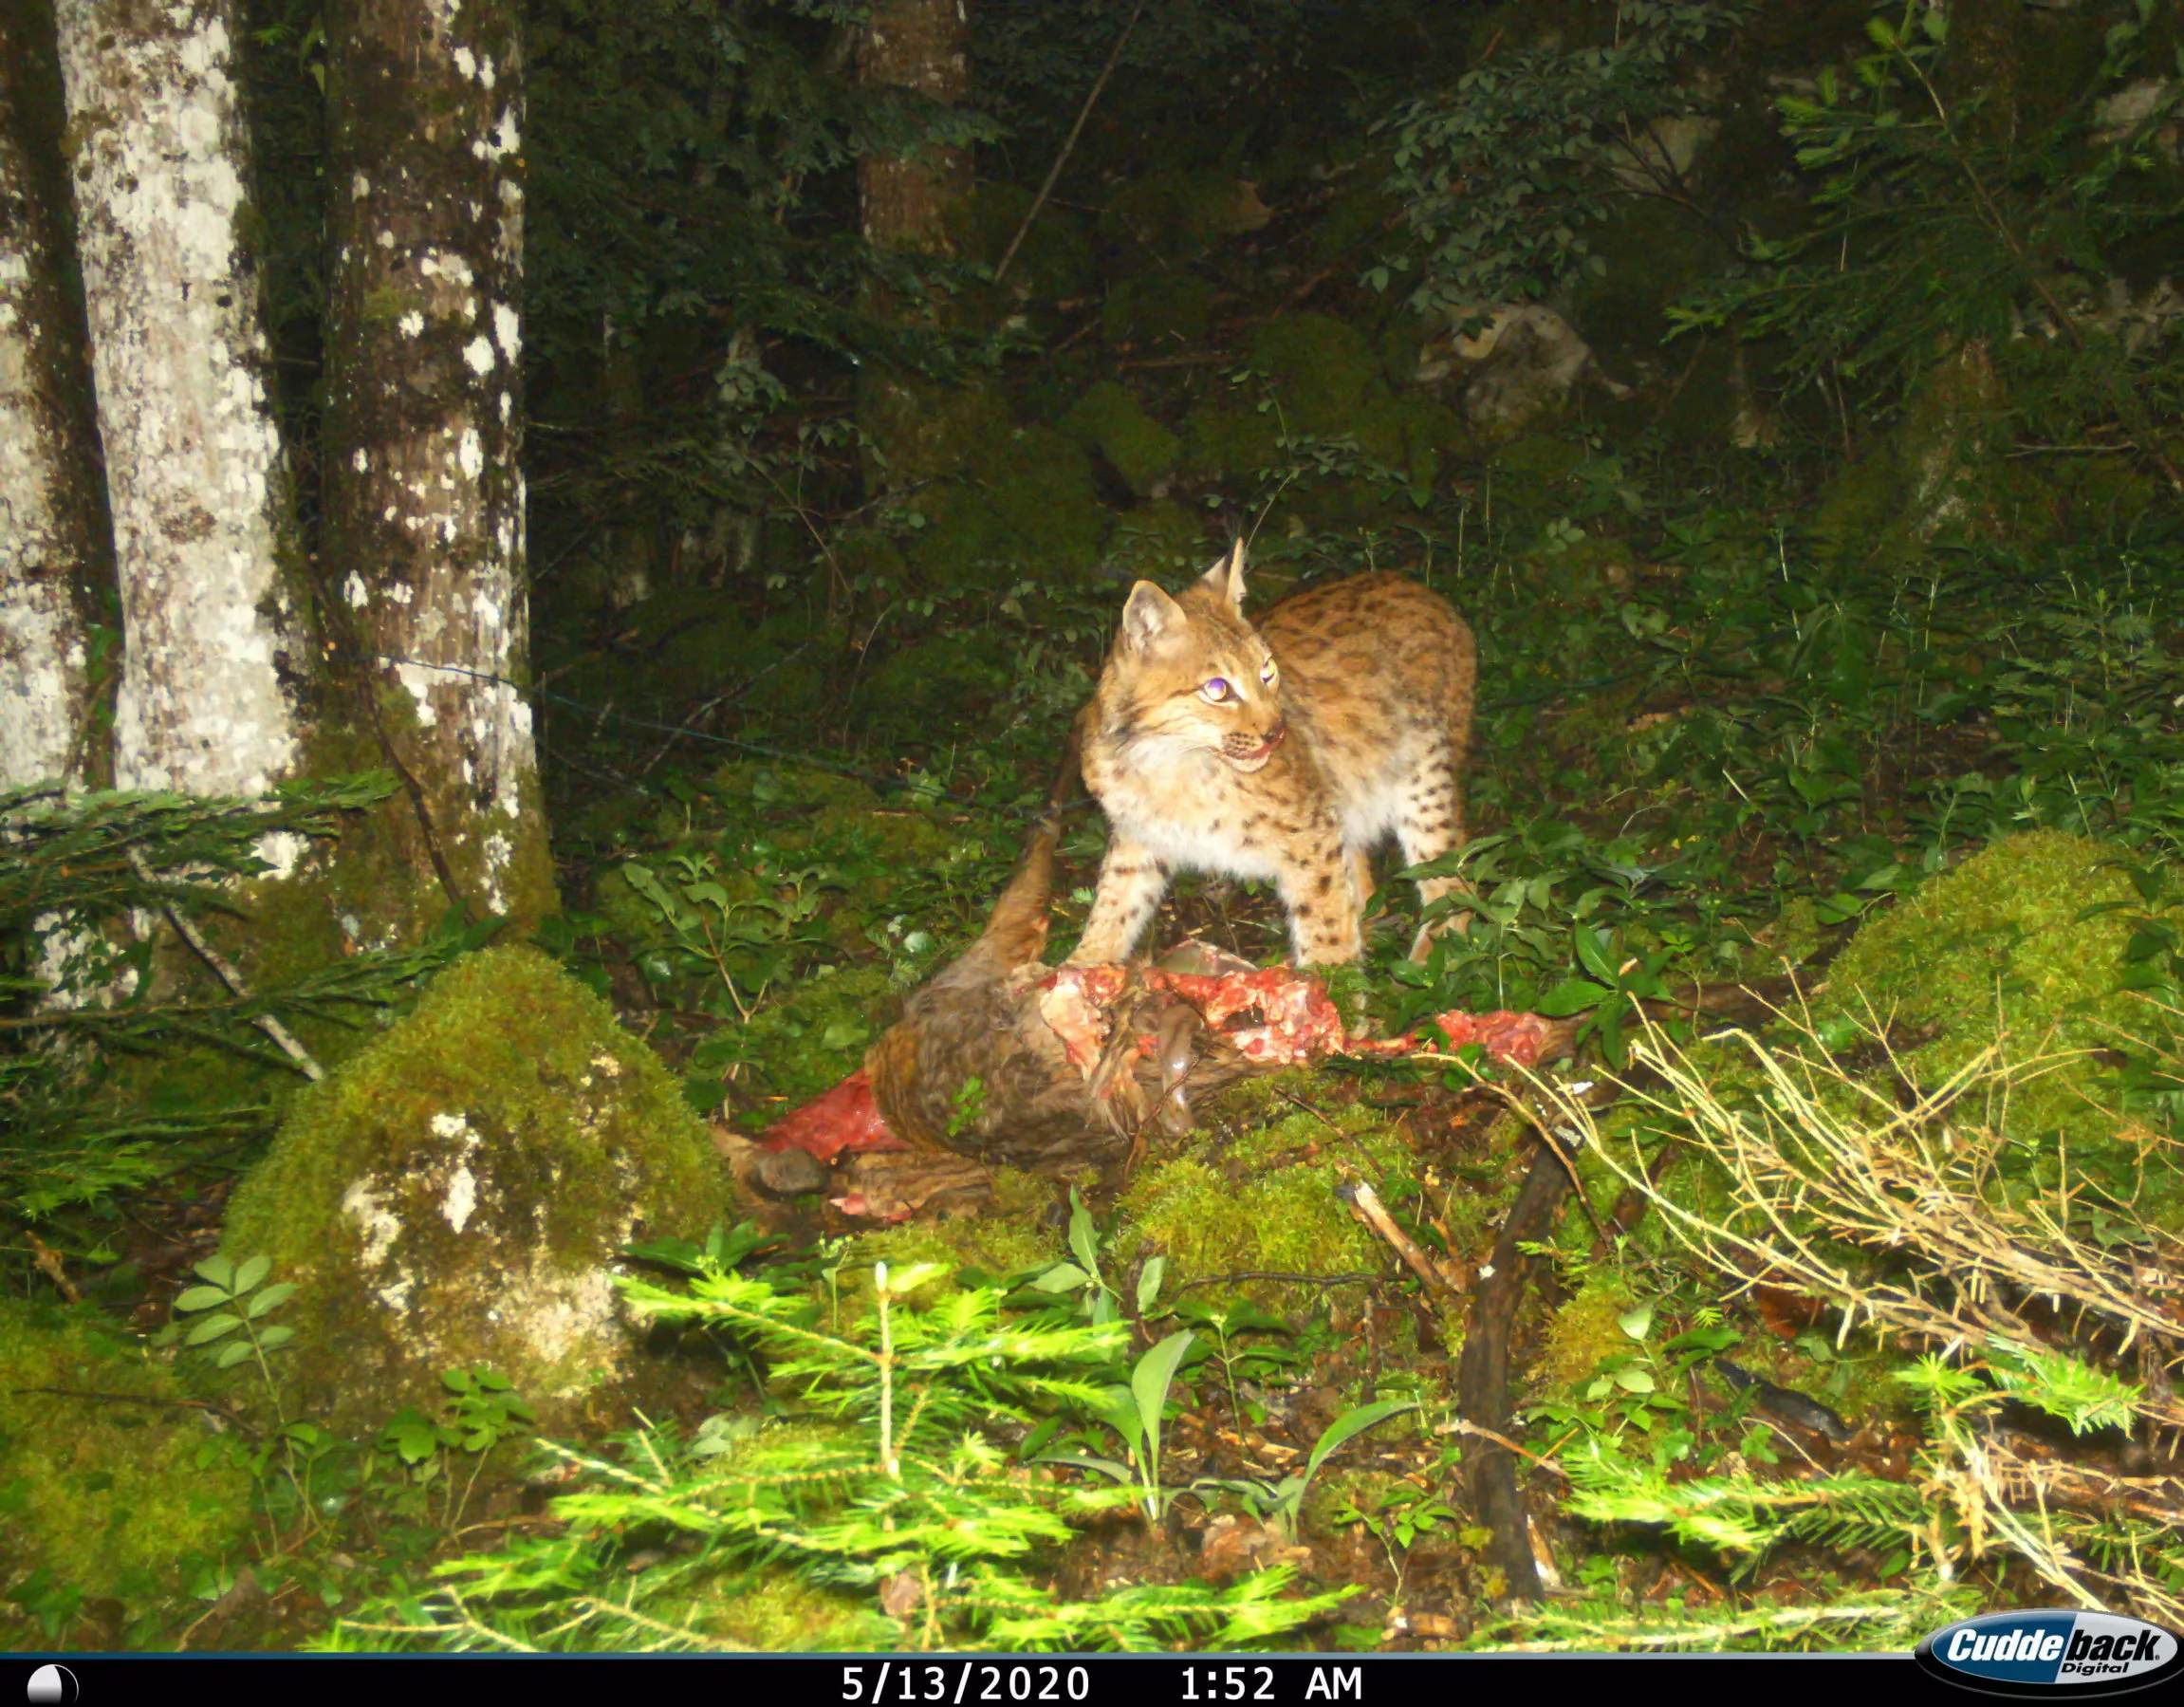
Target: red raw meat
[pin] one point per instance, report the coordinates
(1513, 1038)
(845, 1118)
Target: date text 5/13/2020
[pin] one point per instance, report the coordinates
(974, 1682)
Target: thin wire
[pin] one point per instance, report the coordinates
(837, 768)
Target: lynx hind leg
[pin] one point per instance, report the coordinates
(1430, 823)
(1131, 883)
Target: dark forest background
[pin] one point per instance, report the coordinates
(1788, 395)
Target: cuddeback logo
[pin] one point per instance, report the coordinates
(2052, 1653)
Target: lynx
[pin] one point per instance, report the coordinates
(1286, 750)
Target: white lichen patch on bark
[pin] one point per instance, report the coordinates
(194, 466)
(44, 537)
(363, 1204)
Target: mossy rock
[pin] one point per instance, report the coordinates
(943, 680)
(2021, 947)
(1224, 436)
(925, 429)
(1109, 417)
(1324, 370)
(1323, 381)
(1941, 474)
(698, 640)
(1266, 1201)
(1030, 511)
(456, 1196)
(112, 1498)
(1157, 308)
(1055, 258)
(1182, 211)
(1157, 539)
(1353, 219)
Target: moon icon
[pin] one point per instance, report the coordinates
(52, 1683)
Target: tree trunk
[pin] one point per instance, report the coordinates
(210, 606)
(424, 500)
(908, 203)
(924, 45)
(54, 567)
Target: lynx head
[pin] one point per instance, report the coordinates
(1187, 674)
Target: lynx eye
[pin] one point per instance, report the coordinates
(1267, 672)
(1214, 692)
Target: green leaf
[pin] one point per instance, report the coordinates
(1632, 1380)
(252, 1271)
(275, 1335)
(1573, 996)
(231, 1355)
(1636, 1322)
(1084, 1235)
(1593, 955)
(219, 1270)
(1061, 1277)
(1349, 1425)
(1121, 1473)
(203, 1297)
(1149, 1381)
(270, 1299)
(1149, 1280)
(211, 1328)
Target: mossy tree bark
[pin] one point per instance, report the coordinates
(909, 201)
(56, 572)
(211, 694)
(923, 46)
(424, 499)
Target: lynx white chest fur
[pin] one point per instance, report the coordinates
(1286, 750)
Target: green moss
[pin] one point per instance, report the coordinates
(113, 1498)
(1008, 1238)
(1355, 218)
(769, 1611)
(1029, 512)
(1111, 417)
(923, 428)
(1161, 536)
(2001, 951)
(454, 1194)
(1180, 213)
(1324, 370)
(1583, 1332)
(1267, 1200)
(1941, 474)
(1157, 308)
(698, 639)
(1223, 436)
(1323, 381)
(1055, 258)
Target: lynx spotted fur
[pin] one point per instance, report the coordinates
(1286, 750)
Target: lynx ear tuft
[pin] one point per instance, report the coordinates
(1226, 578)
(1150, 615)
